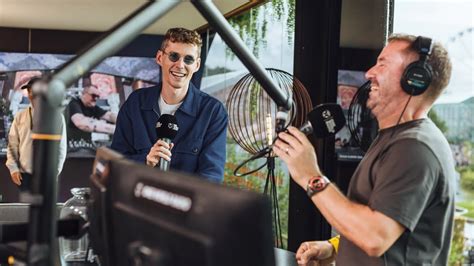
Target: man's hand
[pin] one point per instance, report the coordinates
(294, 148)
(160, 150)
(16, 178)
(312, 253)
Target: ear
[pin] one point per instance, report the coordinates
(159, 58)
(30, 94)
(198, 64)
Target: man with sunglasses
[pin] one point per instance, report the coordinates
(86, 117)
(20, 144)
(199, 146)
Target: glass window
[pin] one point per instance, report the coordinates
(451, 23)
(267, 30)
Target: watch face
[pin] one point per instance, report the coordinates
(317, 183)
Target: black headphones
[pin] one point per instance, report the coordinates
(417, 76)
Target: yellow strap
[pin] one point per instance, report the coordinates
(45, 136)
(335, 242)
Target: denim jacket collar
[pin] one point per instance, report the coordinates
(189, 106)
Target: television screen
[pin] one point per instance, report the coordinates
(115, 78)
(168, 218)
(348, 83)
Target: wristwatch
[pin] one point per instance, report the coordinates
(316, 184)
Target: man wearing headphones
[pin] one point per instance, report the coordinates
(400, 203)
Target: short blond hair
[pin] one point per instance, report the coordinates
(182, 35)
(439, 62)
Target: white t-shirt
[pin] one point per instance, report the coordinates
(167, 108)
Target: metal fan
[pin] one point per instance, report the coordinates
(360, 121)
(252, 111)
(251, 115)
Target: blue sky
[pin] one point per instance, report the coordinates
(440, 19)
(443, 20)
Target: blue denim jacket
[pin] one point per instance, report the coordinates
(199, 146)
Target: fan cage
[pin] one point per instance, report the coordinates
(252, 112)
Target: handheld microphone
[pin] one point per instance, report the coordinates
(166, 130)
(324, 120)
(281, 118)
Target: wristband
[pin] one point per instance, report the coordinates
(316, 184)
(335, 242)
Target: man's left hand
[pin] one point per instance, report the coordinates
(294, 148)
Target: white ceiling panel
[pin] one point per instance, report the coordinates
(101, 15)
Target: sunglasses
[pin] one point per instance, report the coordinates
(174, 57)
(94, 96)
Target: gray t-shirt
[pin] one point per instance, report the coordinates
(169, 109)
(408, 175)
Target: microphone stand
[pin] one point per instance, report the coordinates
(271, 182)
(46, 132)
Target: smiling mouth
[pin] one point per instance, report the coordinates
(177, 74)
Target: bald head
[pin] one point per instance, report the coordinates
(90, 94)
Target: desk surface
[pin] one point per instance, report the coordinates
(284, 257)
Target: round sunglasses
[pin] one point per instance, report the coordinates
(174, 57)
(93, 96)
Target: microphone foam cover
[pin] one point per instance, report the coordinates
(167, 127)
(326, 119)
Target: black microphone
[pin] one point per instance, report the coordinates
(166, 130)
(324, 120)
(281, 118)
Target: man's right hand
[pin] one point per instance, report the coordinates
(160, 150)
(312, 253)
(16, 178)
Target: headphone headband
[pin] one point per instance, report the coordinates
(423, 45)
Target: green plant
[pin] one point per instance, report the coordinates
(457, 244)
(252, 25)
(469, 206)
(256, 181)
(438, 121)
(467, 178)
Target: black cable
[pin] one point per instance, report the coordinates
(358, 113)
(276, 209)
(265, 152)
(404, 108)
(267, 182)
(270, 185)
(262, 153)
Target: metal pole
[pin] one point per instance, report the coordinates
(47, 129)
(210, 12)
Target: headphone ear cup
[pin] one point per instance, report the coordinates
(417, 78)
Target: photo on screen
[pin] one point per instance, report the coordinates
(348, 83)
(115, 79)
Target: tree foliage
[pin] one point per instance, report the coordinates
(438, 121)
(252, 26)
